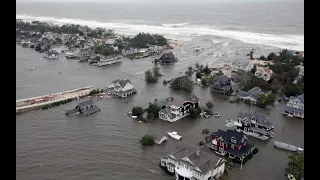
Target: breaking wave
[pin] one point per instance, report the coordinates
(183, 31)
(175, 25)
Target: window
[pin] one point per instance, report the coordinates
(232, 146)
(221, 149)
(233, 140)
(221, 143)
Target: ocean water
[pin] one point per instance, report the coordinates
(105, 145)
(271, 23)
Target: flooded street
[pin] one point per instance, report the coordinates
(106, 145)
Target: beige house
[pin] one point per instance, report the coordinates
(263, 73)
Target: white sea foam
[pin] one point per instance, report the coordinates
(175, 25)
(183, 31)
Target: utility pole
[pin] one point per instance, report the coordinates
(241, 164)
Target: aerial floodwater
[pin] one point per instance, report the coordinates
(105, 145)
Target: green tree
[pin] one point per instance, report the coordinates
(262, 58)
(271, 56)
(204, 82)
(254, 69)
(156, 71)
(147, 140)
(137, 111)
(293, 89)
(189, 72)
(295, 165)
(206, 70)
(251, 54)
(198, 75)
(195, 112)
(149, 77)
(266, 100)
(209, 105)
(153, 111)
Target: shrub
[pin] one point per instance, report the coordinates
(147, 140)
(137, 111)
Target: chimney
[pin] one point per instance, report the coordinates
(198, 152)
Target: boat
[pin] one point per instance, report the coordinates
(174, 135)
(217, 115)
(286, 146)
(134, 117)
(291, 177)
(206, 115)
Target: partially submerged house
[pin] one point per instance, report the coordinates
(86, 108)
(129, 50)
(221, 85)
(176, 109)
(122, 88)
(167, 58)
(263, 73)
(295, 106)
(187, 162)
(230, 143)
(252, 95)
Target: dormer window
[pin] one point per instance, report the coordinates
(253, 118)
(233, 140)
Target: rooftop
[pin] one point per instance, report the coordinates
(122, 83)
(260, 119)
(227, 135)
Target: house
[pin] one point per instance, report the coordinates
(73, 53)
(129, 50)
(176, 109)
(168, 58)
(221, 85)
(155, 49)
(295, 106)
(256, 120)
(53, 55)
(252, 95)
(109, 42)
(87, 107)
(263, 73)
(230, 143)
(187, 162)
(244, 65)
(121, 88)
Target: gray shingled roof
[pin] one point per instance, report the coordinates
(260, 119)
(253, 93)
(122, 82)
(205, 160)
(221, 80)
(182, 150)
(301, 98)
(287, 108)
(227, 135)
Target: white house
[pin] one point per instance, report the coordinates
(263, 73)
(176, 109)
(129, 50)
(295, 106)
(245, 65)
(121, 88)
(191, 163)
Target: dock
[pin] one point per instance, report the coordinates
(27, 104)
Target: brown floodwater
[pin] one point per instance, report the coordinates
(105, 145)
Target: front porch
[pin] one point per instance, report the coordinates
(289, 111)
(181, 173)
(122, 94)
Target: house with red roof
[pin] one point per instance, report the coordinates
(264, 73)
